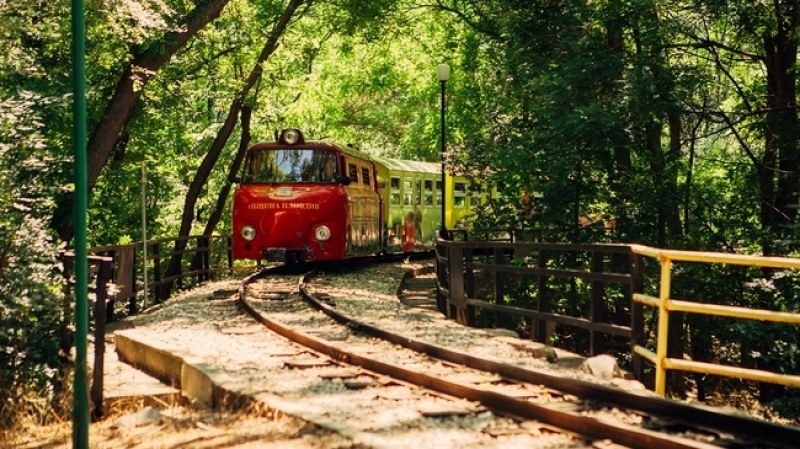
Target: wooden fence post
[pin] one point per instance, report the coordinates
(65, 335)
(101, 315)
(542, 298)
(499, 282)
(469, 286)
(199, 247)
(455, 307)
(597, 340)
(125, 275)
(442, 278)
(157, 287)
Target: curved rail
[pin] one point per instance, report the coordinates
(777, 436)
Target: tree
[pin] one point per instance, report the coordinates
(135, 76)
(224, 133)
(30, 312)
(763, 119)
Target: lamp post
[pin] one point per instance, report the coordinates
(443, 74)
(80, 405)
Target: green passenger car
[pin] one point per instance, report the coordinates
(411, 193)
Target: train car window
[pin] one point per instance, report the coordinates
(474, 194)
(254, 166)
(352, 172)
(438, 193)
(418, 191)
(291, 165)
(365, 175)
(395, 196)
(407, 193)
(428, 192)
(459, 194)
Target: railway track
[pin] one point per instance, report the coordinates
(502, 398)
(367, 388)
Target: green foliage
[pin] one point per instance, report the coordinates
(35, 168)
(29, 285)
(774, 346)
(649, 115)
(381, 94)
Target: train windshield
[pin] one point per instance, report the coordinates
(291, 165)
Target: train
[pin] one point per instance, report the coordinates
(303, 201)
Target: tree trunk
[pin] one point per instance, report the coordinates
(621, 162)
(673, 210)
(687, 196)
(781, 131)
(210, 159)
(118, 111)
(200, 178)
(222, 199)
(781, 167)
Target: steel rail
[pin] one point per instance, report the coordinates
(572, 422)
(696, 416)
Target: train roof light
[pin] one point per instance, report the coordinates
(291, 136)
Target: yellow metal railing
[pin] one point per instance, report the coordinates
(666, 305)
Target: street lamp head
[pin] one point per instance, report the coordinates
(443, 72)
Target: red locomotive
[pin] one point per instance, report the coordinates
(304, 200)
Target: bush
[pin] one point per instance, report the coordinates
(30, 286)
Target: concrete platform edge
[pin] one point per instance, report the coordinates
(213, 388)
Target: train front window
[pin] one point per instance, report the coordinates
(291, 165)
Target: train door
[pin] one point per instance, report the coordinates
(394, 215)
(363, 216)
(381, 188)
(371, 224)
(410, 220)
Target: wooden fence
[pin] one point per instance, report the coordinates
(536, 287)
(532, 287)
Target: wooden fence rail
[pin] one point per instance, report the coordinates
(533, 287)
(513, 281)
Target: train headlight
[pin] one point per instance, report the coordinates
(322, 233)
(248, 233)
(291, 136)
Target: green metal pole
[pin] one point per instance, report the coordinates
(80, 408)
(144, 231)
(443, 74)
(444, 147)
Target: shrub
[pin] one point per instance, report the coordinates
(30, 312)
